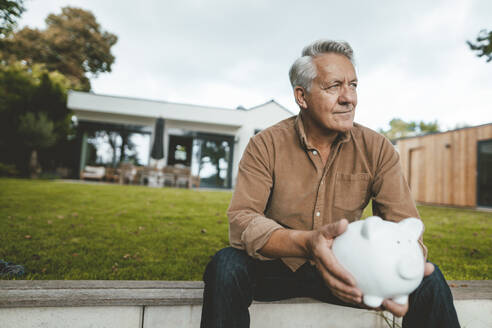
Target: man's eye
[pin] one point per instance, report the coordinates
(353, 85)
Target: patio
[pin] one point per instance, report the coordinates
(169, 176)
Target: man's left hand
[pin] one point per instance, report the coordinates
(399, 310)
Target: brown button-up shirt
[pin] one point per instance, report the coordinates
(283, 183)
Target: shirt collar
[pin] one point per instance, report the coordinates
(341, 138)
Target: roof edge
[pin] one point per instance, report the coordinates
(442, 132)
(176, 103)
(149, 100)
(271, 101)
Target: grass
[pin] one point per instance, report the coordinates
(459, 241)
(76, 231)
(73, 231)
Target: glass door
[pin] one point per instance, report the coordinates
(212, 160)
(484, 173)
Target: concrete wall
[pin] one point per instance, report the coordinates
(258, 118)
(472, 314)
(152, 304)
(73, 317)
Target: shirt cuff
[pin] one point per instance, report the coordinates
(257, 234)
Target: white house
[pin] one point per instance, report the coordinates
(210, 140)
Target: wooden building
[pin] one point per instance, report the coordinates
(450, 168)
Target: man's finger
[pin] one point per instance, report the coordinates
(347, 298)
(341, 288)
(395, 308)
(331, 264)
(428, 269)
(335, 284)
(333, 230)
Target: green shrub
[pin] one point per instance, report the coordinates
(8, 170)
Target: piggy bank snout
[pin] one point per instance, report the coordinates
(410, 267)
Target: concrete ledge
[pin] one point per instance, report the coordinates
(42, 293)
(39, 293)
(149, 304)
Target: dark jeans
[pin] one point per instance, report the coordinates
(233, 280)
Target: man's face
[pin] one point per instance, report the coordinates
(331, 102)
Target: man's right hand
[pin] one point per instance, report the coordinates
(316, 245)
(340, 281)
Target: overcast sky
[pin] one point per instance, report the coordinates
(412, 58)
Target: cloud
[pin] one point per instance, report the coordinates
(412, 57)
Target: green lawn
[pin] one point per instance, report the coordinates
(62, 230)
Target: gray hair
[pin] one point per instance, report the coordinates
(303, 71)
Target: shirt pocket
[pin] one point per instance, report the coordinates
(351, 190)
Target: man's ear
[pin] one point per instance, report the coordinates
(300, 95)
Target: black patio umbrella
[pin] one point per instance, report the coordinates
(158, 145)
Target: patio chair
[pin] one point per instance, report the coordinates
(93, 172)
(151, 176)
(138, 175)
(183, 176)
(195, 181)
(168, 176)
(127, 173)
(111, 175)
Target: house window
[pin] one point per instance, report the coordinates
(180, 150)
(110, 144)
(180, 153)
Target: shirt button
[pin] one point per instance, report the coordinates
(318, 213)
(315, 152)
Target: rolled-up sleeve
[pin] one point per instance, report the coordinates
(392, 199)
(249, 228)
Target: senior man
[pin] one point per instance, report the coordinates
(299, 184)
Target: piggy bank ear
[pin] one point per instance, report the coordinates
(370, 227)
(412, 227)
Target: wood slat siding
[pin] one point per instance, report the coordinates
(441, 168)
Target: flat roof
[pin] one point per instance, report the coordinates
(88, 102)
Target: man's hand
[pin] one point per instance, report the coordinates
(398, 309)
(340, 281)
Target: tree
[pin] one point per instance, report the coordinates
(10, 10)
(33, 114)
(73, 44)
(213, 152)
(430, 127)
(36, 130)
(400, 129)
(37, 133)
(483, 45)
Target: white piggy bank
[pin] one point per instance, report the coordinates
(384, 257)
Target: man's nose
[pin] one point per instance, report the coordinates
(348, 94)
